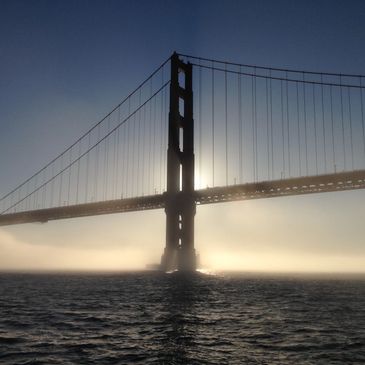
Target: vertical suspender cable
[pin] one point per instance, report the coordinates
(123, 190)
(107, 162)
(127, 142)
(19, 196)
(150, 140)
(117, 195)
(271, 129)
(305, 125)
(323, 128)
(69, 178)
(315, 127)
(154, 145)
(255, 114)
(200, 123)
(87, 170)
(159, 146)
(165, 134)
(212, 123)
(27, 193)
(114, 170)
(299, 139)
(282, 128)
(143, 150)
(138, 146)
(343, 127)
(226, 120)
(35, 193)
(267, 127)
(351, 136)
(104, 167)
(11, 199)
(44, 192)
(332, 130)
(239, 127)
(133, 157)
(362, 115)
(96, 167)
(60, 189)
(52, 186)
(78, 174)
(253, 129)
(288, 124)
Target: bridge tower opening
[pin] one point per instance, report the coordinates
(180, 206)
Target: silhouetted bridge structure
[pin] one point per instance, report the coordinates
(259, 132)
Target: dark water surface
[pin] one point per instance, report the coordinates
(154, 318)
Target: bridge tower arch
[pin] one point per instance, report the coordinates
(180, 206)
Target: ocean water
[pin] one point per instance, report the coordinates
(155, 318)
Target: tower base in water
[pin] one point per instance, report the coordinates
(179, 259)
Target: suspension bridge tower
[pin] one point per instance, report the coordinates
(180, 206)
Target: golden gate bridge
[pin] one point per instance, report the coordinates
(255, 132)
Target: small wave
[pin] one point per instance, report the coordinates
(11, 340)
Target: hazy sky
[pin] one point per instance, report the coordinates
(65, 64)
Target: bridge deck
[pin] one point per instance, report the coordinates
(84, 210)
(276, 188)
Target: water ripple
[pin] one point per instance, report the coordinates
(151, 318)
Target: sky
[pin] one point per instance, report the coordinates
(65, 64)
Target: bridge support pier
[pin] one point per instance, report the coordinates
(180, 206)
